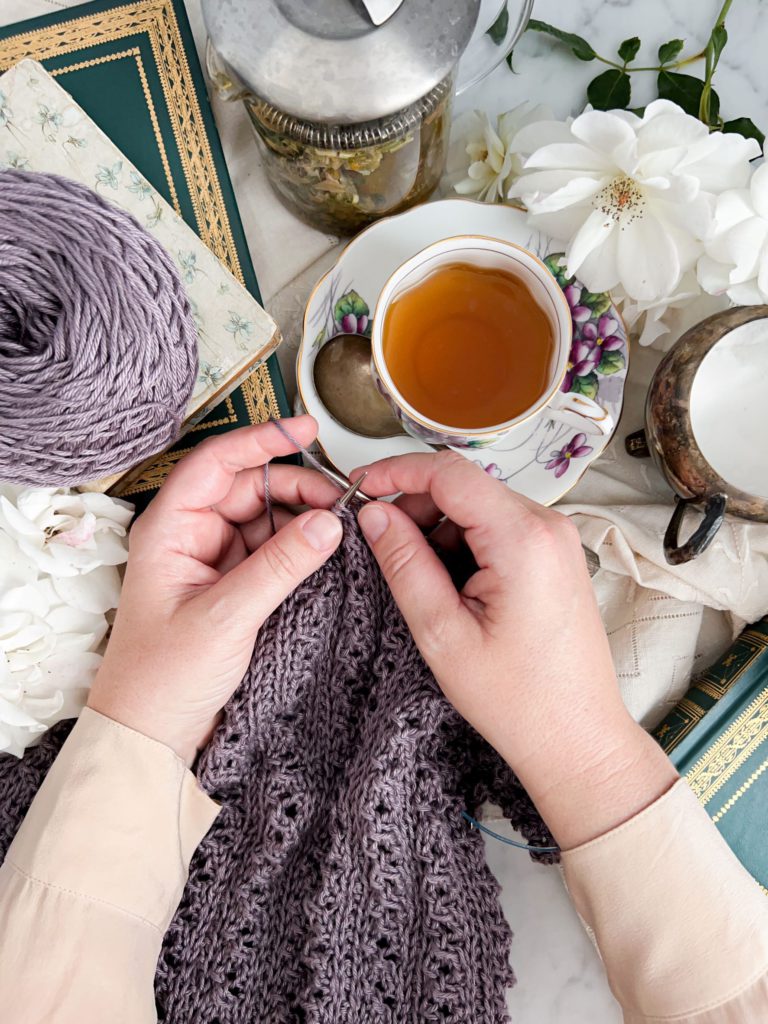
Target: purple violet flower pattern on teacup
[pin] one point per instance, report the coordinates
(598, 346)
(560, 460)
(597, 350)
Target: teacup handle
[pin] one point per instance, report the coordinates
(580, 411)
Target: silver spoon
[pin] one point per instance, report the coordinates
(344, 382)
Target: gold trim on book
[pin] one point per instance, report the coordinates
(711, 690)
(734, 747)
(740, 792)
(157, 20)
(134, 52)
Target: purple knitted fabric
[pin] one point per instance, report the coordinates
(339, 884)
(98, 348)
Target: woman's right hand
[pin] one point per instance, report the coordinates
(520, 651)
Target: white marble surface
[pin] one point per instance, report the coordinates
(560, 978)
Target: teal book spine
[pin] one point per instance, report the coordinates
(717, 738)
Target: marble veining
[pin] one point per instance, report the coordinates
(560, 977)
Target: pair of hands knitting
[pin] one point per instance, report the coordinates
(520, 651)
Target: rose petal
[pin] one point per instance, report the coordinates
(648, 262)
(593, 233)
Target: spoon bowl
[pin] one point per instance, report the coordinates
(345, 384)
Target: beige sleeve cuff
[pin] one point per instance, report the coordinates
(680, 924)
(116, 821)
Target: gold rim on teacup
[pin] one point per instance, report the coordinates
(559, 314)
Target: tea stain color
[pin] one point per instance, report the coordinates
(469, 347)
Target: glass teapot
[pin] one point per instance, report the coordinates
(351, 98)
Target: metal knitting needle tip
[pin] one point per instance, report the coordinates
(351, 492)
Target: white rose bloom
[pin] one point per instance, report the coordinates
(631, 197)
(494, 165)
(736, 259)
(59, 554)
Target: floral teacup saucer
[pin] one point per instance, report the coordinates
(542, 458)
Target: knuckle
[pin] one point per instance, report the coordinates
(566, 529)
(279, 560)
(399, 558)
(220, 612)
(449, 459)
(434, 631)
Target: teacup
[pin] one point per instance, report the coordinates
(489, 253)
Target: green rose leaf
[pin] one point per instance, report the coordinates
(498, 29)
(746, 127)
(628, 49)
(320, 339)
(351, 302)
(588, 385)
(668, 51)
(598, 302)
(611, 362)
(610, 91)
(578, 46)
(685, 90)
(638, 111)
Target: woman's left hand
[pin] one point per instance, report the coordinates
(203, 575)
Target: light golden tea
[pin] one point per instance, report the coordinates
(468, 346)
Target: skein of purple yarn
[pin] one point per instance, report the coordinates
(98, 349)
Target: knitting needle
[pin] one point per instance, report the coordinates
(352, 492)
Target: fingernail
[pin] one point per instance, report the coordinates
(322, 530)
(373, 521)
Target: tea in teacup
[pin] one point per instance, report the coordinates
(471, 337)
(469, 346)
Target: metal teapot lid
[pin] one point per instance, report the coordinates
(340, 61)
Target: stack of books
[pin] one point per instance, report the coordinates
(717, 737)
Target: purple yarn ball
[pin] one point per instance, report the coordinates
(98, 348)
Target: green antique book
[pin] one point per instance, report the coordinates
(717, 737)
(133, 68)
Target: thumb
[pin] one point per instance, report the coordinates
(419, 582)
(263, 580)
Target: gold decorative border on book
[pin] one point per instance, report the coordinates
(712, 681)
(157, 20)
(134, 52)
(729, 803)
(736, 745)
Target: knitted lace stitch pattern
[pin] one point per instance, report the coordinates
(339, 884)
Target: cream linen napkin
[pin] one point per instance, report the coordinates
(664, 622)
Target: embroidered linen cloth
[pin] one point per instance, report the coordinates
(664, 622)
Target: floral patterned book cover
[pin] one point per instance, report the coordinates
(717, 737)
(132, 68)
